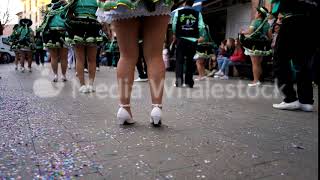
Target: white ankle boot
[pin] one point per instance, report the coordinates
(156, 115)
(123, 115)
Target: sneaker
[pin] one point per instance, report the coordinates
(86, 70)
(29, 69)
(16, 68)
(211, 74)
(306, 107)
(83, 89)
(216, 77)
(69, 66)
(219, 73)
(254, 84)
(141, 80)
(22, 69)
(97, 69)
(224, 77)
(287, 106)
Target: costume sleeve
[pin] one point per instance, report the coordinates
(201, 26)
(253, 24)
(174, 22)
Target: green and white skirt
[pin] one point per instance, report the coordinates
(115, 10)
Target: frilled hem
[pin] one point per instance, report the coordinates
(115, 4)
(250, 52)
(122, 12)
(202, 56)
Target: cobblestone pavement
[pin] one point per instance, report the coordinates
(50, 131)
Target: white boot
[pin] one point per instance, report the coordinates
(156, 115)
(123, 115)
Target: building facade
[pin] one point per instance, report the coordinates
(33, 9)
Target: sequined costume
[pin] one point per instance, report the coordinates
(258, 42)
(13, 38)
(53, 27)
(82, 25)
(22, 37)
(205, 50)
(113, 10)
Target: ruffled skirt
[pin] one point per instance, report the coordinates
(120, 12)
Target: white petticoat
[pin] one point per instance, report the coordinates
(124, 13)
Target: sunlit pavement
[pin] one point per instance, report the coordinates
(51, 131)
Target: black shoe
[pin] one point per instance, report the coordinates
(190, 85)
(177, 85)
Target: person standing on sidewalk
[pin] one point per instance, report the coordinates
(296, 41)
(188, 30)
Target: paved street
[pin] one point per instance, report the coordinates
(51, 131)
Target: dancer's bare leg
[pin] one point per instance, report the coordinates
(127, 37)
(155, 29)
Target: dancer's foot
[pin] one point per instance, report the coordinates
(123, 116)
(156, 115)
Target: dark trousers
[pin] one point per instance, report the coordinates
(142, 65)
(294, 42)
(184, 53)
(39, 56)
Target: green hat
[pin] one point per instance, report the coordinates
(263, 10)
(27, 22)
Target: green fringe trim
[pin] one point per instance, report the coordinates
(112, 5)
(259, 52)
(62, 10)
(80, 40)
(203, 55)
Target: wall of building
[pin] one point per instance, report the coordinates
(238, 16)
(32, 10)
